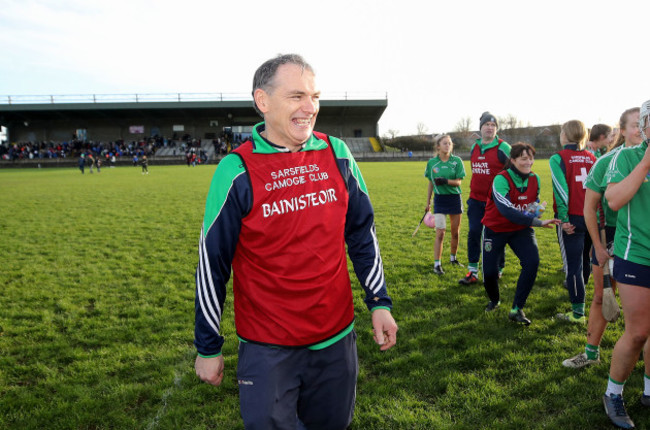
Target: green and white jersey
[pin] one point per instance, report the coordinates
(596, 182)
(598, 152)
(632, 240)
(450, 169)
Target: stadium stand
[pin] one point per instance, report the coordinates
(359, 144)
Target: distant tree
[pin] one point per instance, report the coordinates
(422, 129)
(391, 134)
(509, 121)
(463, 126)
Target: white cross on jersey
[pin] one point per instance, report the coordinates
(583, 177)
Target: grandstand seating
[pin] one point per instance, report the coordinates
(168, 151)
(356, 144)
(359, 144)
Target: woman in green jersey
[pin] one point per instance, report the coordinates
(445, 173)
(628, 192)
(594, 199)
(601, 138)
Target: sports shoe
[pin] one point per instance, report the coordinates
(438, 270)
(469, 279)
(518, 317)
(492, 306)
(580, 361)
(645, 401)
(615, 410)
(570, 317)
(455, 263)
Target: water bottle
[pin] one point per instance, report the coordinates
(536, 209)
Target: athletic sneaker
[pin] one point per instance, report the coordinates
(570, 317)
(492, 306)
(579, 361)
(615, 410)
(469, 279)
(519, 317)
(438, 270)
(645, 401)
(455, 263)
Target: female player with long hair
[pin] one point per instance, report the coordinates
(628, 191)
(601, 138)
(510, 213)
(445, 172)
(630, 135)
(569, 169)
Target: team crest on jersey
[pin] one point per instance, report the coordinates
(436, 170)
(487, 246)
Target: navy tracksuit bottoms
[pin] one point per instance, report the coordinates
(575, 250)
(524, 244)
(300, 388)
(475, 213)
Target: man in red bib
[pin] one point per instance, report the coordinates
(280, 211)
(488, 157)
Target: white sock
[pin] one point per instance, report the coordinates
(646, 385)
(452, 257)
(614, 387)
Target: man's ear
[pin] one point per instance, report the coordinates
(261, 100)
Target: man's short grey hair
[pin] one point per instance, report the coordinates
(264, 74)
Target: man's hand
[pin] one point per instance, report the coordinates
(210, 370)
(384, 328)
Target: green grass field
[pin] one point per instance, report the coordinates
(97, 311)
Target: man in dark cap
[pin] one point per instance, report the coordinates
(488, 156)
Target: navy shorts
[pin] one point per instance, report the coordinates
(609, 235)
(297, 388)
(626, 272)
(448, 204)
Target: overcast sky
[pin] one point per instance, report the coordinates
(439, 61)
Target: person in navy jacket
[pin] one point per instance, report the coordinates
(280, 212)
(511, 211)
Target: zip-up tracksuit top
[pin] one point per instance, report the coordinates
(281, 230)
(511, 194)
(569, 170)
